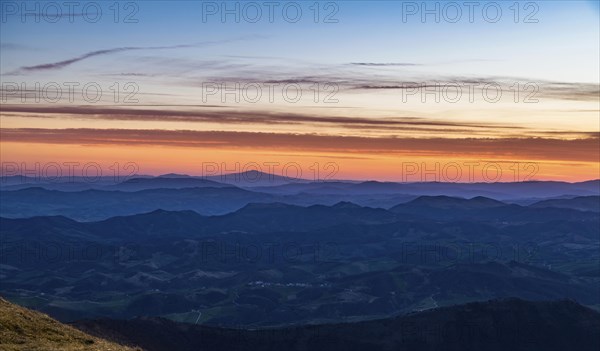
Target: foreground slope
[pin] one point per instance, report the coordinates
(23, 329)
(509, 324)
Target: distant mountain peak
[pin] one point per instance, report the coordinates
(486, 200)
(174, 175)
(371, 182)
(254, 175)
(432, 199)
(346, 204)
(265, 206)
(443, 200)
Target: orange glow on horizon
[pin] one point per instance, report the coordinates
(156, 160)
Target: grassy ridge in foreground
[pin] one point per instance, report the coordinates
(23, 329)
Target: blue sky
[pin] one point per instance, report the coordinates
(558, 47)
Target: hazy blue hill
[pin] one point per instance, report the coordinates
(582, 203)
(539, 188)
(99, 204)
(15, 179)
(591, 185)
(175, 175)
(64, 183)
(137, 184)
(209, 197)
(277, 184)
(495, 190)
(328, 187)
(68, 186)
(497, 325)
(254, 178)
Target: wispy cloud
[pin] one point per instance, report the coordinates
(378, 64)
(65, 63)
(15, 46)
(528, 87)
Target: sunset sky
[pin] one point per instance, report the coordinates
(371, 87)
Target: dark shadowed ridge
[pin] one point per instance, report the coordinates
(174, 175)
(497, 325)
(158, 223)
(481, 208)
(449, 202)
(297, 218)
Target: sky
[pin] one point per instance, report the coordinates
(383, 90)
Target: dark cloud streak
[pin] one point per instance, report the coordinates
(388, 64)
(64, 63)
(228, 116)
(583, 150)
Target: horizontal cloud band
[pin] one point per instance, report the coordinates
(586, 150)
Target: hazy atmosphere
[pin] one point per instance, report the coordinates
(299, 175)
